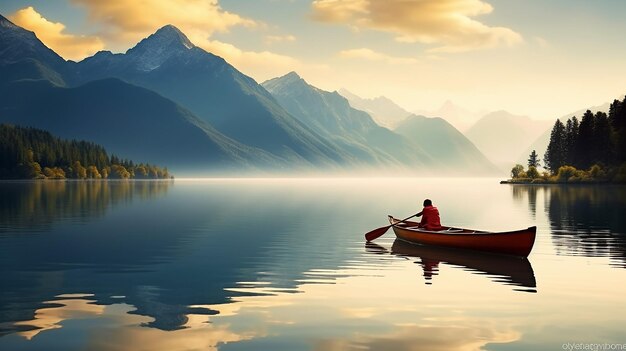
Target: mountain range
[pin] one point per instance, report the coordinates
(168, 63)
(330, 115)
(503, 136)
(418, 140)
(503, 149)
(169, 102)
(384, 111)
(441, 140)
(459, 117)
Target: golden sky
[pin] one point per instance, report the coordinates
(531, 58)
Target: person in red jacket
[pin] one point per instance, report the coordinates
(430, 216)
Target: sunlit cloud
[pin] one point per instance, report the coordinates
(124, 23)
(54, 35)
(348, 11)
(256, 63)
(271, 39)
(133, 20)
(371, 55)
(447, 24)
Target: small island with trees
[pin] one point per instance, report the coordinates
(29, 153)
(590, 151)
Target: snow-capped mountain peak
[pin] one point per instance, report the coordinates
(152, 51)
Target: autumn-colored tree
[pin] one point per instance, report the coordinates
(79, 171)
(92, 172)
(517, 170)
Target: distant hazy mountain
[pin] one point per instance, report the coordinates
(460, 117)
(384, 111)
(168, 63)
(127, 120)
(540, 145)
(330, 115)
(445, 143)
(502, 136)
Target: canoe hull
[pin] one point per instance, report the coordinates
(515, 243)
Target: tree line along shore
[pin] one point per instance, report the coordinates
(29, 153)
(592, 150)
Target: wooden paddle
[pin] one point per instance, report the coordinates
(369, 236)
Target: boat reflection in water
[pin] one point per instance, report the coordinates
(508, 270)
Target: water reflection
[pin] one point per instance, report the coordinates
(279, 265)
(35, 205)
(66, 306)
(423, 337)
(164, 255)
(119, 328)
(513, 271)
(530, 192)
(585, 220)
(322, 317)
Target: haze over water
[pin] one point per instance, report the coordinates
(281, 264)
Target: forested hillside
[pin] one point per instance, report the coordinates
(29, 153)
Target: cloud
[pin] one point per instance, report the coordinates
(262, 65)
(371, 55)
(126, 22)
(53, 34)
(340, 10)
(130, 21)
(271, 39)
(448, 24)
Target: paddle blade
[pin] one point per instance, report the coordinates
(376, 233)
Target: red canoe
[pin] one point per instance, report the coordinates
(516, 243)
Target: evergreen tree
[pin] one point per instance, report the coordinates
(114, 160)
(571, 135)
(602, 146)
(584, 150)
(617, 115)
(533, 160)
(555, 155)
(617, 118)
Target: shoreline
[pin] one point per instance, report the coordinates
(547, 182)
(14, 180)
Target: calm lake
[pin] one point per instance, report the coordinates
(281, 264)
